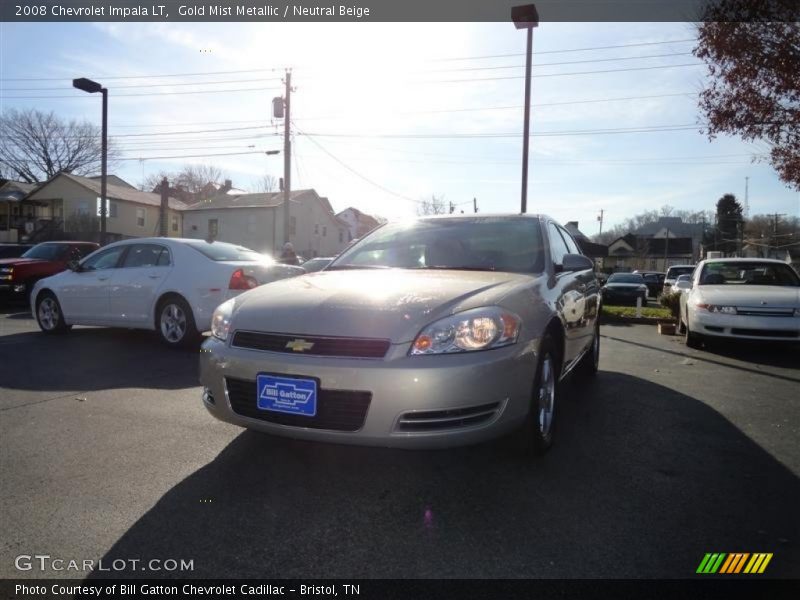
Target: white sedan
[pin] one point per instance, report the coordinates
(165, 284)
(757, 299)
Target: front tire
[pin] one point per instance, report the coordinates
(175, 323)
(49, 315)
(535, 436)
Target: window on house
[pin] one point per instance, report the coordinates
(112, 210)
(292, 226)
(83, 207)
(324, 232)
(174, 222)
(316, 229)
(140, 217)
(213, 228)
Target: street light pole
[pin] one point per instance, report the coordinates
(92, 87)
(526, 17)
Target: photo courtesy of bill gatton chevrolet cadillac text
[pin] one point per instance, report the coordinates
(435, 332)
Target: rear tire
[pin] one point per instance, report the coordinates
(49, 315)
(693, 340)
(535, 436)
(175, 323)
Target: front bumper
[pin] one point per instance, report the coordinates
(744, 326)
(399, 385)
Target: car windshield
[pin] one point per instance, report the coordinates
(465, 243)
(46, 251)
(221, 251)
(674, 272)
(748, 273)
(625, 278)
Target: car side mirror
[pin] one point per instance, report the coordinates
(576, 262)
(683, 285)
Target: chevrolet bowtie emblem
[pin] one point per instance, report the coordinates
(299, 345)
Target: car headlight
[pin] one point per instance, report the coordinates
(716, 308)
(475, 329)
(221, 320)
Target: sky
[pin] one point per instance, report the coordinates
(386, 114)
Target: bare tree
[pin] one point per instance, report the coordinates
(267, 183)
(34, 146)
(434, 206)
(190, 178)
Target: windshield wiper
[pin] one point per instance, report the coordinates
(349, 267)
(451, 268)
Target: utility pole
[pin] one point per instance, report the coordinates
(666, 244)
(287, 154)
(452, 207)
(775, 218)
(475, 205)
(600, 218)
(746, 197)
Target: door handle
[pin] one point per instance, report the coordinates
(102, 278)
(154, 276)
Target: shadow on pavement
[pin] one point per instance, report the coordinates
(91, 359)
(642, 482)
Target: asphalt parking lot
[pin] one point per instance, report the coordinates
(106, 452)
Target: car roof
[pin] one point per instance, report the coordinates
(739, 259)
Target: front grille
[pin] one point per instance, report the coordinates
(769, 312)
(782, 333)
(321, 346)
(337, 410)
(436, 420)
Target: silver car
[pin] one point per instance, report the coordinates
(435, 332)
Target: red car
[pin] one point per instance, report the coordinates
(17, 275)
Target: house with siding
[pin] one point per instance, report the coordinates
(256, 221)
(68, 206)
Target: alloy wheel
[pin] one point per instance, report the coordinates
(173, 323)
(48, 314)
(546, 396)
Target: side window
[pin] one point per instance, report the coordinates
(163, 258)
(571, 243)
(107, 259)
(144, 255)
(558, 248)
(85, 250)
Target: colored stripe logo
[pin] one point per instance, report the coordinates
(734, 563)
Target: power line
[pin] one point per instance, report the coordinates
(150, 85)
(277, 69)
(353, 171)
(146, 94)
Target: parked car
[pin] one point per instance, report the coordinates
(439, 332)
(19, 275)
(313, 265)
(654, 281)
(757, 299)
(673, 273)
(14, 250)
(167, 284)
(624, 288)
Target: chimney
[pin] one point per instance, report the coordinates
(227, 187)
(164, 207)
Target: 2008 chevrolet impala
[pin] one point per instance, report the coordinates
(434, 332)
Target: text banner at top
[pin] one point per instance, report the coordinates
(397, 10)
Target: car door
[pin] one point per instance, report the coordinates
(569, 301)
(84, 294)
(143, 271)
(587, 310)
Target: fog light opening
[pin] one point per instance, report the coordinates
(208, 397)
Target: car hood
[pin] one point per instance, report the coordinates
(750, 295)
(392, 304)
(13, 262)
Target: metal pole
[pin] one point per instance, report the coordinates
(287, 156)
(526, 127)
(103, 169)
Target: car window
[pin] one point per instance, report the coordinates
(748, 273)
(673, 272)
(558, 247)
(85, 250)
(572, 245)
(220, 251)
(626, 278)
(105, 259)
(145, 255)
(46, 251)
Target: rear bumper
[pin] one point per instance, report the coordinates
(425, 387)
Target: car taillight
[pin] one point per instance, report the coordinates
(240, 281)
